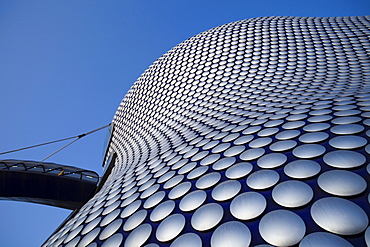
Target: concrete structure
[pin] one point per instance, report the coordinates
(46, 183)
(252, 133)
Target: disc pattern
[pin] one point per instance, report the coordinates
(256, 129)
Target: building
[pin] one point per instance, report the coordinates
(252, 133)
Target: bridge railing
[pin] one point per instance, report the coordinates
(50, 169)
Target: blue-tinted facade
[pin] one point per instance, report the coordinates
(254, 133)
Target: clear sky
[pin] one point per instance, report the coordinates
(66, 65)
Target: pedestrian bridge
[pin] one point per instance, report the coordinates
(46, 183)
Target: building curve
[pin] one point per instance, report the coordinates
(253, 133)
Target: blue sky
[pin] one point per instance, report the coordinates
(66, 65)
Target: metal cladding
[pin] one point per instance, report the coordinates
(254, 133)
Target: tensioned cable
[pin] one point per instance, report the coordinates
(60, 149)
(64, 139)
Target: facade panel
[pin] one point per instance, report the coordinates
(252, 133)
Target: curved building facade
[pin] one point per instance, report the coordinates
(253, 133)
